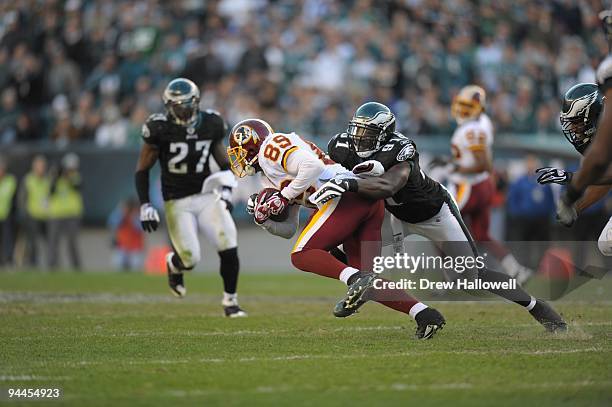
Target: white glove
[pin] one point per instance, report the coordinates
(370, 168)
(566, 214)
(149, 217)
(332, 189)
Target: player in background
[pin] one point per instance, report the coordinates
(471, 174)
(183, 139)
(581, 110)
(596, 164)
(423, 205)
(292, 168)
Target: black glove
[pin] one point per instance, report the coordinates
(552, 175)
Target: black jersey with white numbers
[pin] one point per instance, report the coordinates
(420, 199)
(184, 151)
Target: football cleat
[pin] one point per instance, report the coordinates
(548, 317)
(175, 280)
(233, 310)
(429, 321)
(355, 296)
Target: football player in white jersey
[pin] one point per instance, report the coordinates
(292, 169)
(471, 178)
(595, 168)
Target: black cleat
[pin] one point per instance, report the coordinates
(233, 310)
(355, 296)
(175, 280)
(548, 317)
(429, 321)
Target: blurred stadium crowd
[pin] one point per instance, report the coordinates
(92, 70)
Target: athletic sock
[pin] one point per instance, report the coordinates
(349, 275)
(229, 299)
(229, 269)
(171, 261)
(517, 295)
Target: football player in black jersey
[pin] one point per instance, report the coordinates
(422, 205)
(595, 168)
(183, 139)
(582, 107)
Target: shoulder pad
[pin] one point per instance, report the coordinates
(157, 117)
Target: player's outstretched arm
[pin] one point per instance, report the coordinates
(387, 184)
(592, 194)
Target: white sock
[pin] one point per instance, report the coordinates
(532, 304)
(416, 308)
(347, 273)
(229, 298)
(173, 268)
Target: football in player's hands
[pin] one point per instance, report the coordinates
(271, 204)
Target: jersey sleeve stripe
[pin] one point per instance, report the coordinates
(286, 155)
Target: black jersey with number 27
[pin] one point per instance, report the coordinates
(420, 198)
(184, 152)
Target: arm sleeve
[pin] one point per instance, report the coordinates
(287, 228)
(307, 168)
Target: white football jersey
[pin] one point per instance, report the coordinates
(468, 138)
(604, 72)
(274, 154)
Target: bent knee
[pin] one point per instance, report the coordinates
(189, 259)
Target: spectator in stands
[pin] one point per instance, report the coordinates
(34, 198)
(128, 236)
(65, 211)
(8, 186)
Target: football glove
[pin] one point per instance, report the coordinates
(149, 217)
(269, 203)
(226, 196)
(566, 213)
(251, 202)
(550, 175)
(333, 188)
(370, 168)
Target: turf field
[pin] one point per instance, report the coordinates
(110, 339)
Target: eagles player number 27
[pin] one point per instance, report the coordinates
(175, 164)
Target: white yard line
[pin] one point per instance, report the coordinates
(393, 387)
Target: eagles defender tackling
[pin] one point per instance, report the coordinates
(183, 139)
(422, 205)
(292, 168)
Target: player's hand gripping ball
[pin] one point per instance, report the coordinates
(271, 204)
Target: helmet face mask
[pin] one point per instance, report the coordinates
(182, 100)
(369, 127)
(245, 141)
(582, 105)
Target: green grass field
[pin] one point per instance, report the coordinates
(110, 339)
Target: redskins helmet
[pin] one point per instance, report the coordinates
(582, 105)
(369, 127)
(182, 100)
(468, 104)
(245, 140)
